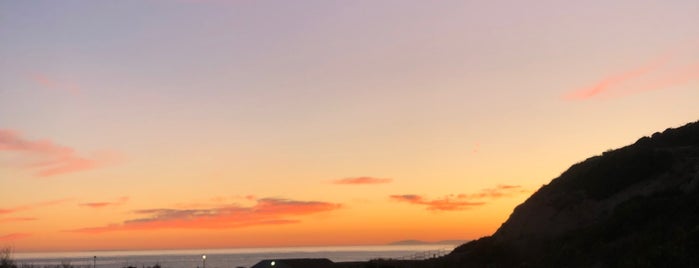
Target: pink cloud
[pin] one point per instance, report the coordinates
(55, 84)
(267, 211)
(460, 201)
(118, 202)
(609, 84)
(14, 236)
(11, 140)
(48, 158)
(666, 71)
(684, 75)
(362, 180)
(32, 206)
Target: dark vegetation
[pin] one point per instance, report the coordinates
(6, 260)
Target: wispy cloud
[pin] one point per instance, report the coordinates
(48, 158)
(670, 69)
(54, 83)
(32, 206)
(14, 236)
(216, 201)
(461, 201)
(17, 219)
(362, 180)
(266, 211)
(117, 202)
(496, 192)
(442, 204)
(476, 148)
(611, 84)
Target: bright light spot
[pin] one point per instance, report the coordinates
(203, 257)
(272, 263)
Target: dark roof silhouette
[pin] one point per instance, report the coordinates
(294, 263)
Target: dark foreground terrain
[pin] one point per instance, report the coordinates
(636, 206)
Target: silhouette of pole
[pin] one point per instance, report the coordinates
(94, 262)
(203, 259)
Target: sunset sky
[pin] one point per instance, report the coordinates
(169, 124)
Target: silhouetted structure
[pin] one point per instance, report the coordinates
(295, 263)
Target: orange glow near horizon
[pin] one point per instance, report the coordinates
(218, 124)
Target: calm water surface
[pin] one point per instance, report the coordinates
(222, 258)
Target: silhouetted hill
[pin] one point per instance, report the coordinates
(637, 206)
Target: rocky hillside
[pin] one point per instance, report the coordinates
(637, 206)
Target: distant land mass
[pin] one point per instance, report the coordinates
(636, 206)
(419, 242)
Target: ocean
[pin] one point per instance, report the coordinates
(224, 258)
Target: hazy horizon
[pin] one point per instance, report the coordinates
(215, 250)
(217, 124)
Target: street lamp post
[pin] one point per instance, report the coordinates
(203, 259)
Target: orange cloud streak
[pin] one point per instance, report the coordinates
(497, 192)
(444, 204)
(362, 180)
(461, 201)
(120, 201)
(267, 211)
(16, 219)
(31, 206)
(14, 236)
(49, 158)
(97, 204)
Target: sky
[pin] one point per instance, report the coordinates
(182, 124)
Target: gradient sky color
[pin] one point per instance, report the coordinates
(210, 124)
